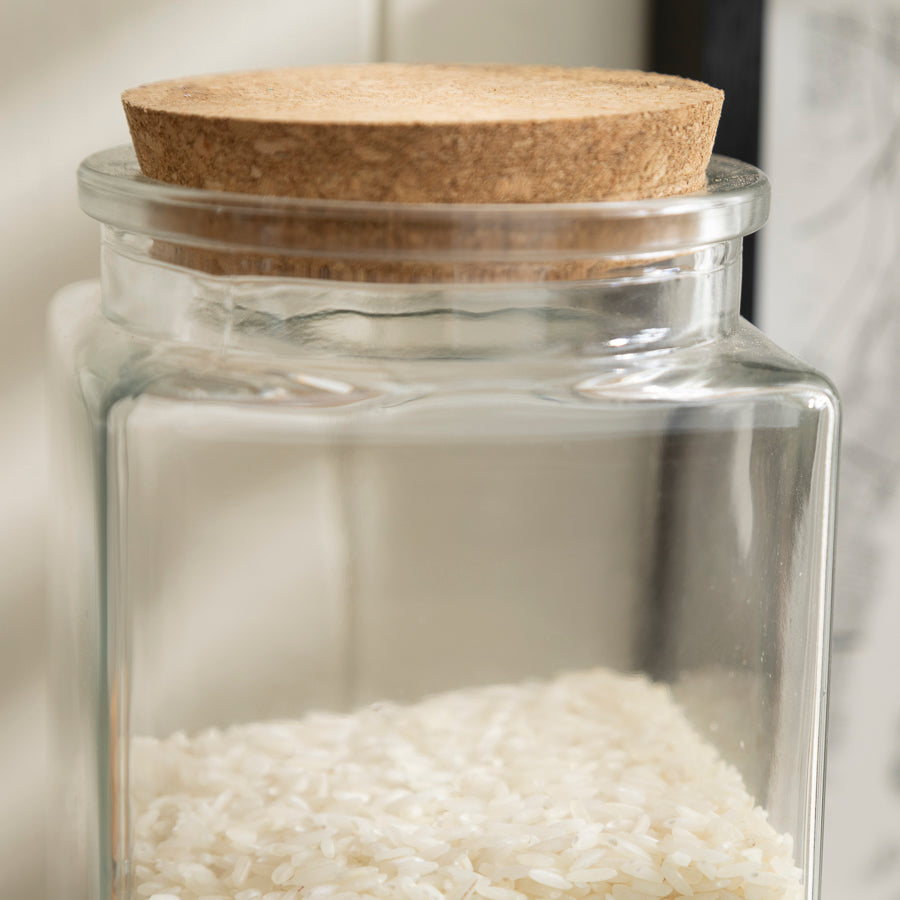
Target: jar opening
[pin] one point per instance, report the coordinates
(239, 234)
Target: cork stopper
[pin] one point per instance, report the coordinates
(429, 133)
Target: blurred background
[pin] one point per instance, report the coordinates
(812, 94)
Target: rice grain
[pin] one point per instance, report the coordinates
(590, 785)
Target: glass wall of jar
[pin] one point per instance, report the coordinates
(408, 550)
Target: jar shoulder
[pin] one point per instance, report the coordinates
(747, 360)
(94, 350)
(744, 365)
(757, 355)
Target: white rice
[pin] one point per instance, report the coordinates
(590, 786)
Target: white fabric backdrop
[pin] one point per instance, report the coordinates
(62, 66)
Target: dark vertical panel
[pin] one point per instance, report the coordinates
(719, 42)
(676, 40)
(732, 50)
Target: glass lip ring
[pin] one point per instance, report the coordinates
(112, 190)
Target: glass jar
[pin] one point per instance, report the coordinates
(434, 551)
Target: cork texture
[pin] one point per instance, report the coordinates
(216, 262)
(434, 133)
(422, 134)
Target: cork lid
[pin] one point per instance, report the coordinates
(428, 133)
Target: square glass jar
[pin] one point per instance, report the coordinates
(440, 495)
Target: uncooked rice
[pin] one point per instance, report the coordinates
(593, 786)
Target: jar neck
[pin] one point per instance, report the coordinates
(639, 305)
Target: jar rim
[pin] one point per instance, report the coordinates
(112, 190)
